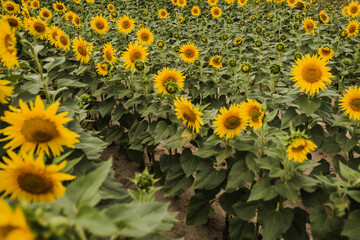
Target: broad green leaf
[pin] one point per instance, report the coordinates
(189, 162)
(308, 105)
(241, 230)
(287, 190)
(262, 189)
(297, 230)
(199, 210)
(239, 175)
(324, 226)
(207, 177)
(245, 211)
(53, 62)
(64, 82)
(275, 222)
(352, 226)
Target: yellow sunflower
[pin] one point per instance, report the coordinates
(229, 1)
(353, 28)
(345, 11)
(215, 12)
(52, 34)
(195, 11)
(229, 122)
(24, 177)
(144, 36)
(298, 148)
(35, 4)
(5, 91)
(13, 223)
(59, 6)
(168, 76)
(181, 3)
(238, 41)
(45, 13)
(216, 62)
(300, 5)
(189, 52)
(36, 26)
(291, 3)
(212, 2)
(309, 25)
(134, 51)
(251, 112)
(77, 1)
(102, 69)
(69, 16)
(82, 49)
(242, 2)
(110, 7)
(324, 18)
(350, 102)
(77, 21)
(8, 48)
(10, 7)
(63, 41)
(354, 9)
(13, 21)
(162, 13)
(326, 53)
(310, 74)
(36, 129)
(191, 116)
(109, 53)
(125, 24)
(99, 24)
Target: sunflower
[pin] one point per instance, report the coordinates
(45, 13)
(181, 3)
(251, 112)
(291, 3)
(63, 41)
(36, 26)
(77, 1)
(180, 19)
(134, 51)
(242, 2)
(37, 129)
(166, 76)
(300, 5)
(10, 7)
(8, 50)
(189, 52)
(324, 18)
(216, 62)
(298, 148)
(5, 91)
(354, 9)
(352, 28)
(69, 16)
(190, 115)
(215, 12)
(212, 2)
(125, 24)
(13, 21)
(109, 53)
(195, 11)
(52, 34)
(238, 41)
(162, 13)
(59, 6)
(99, 24)
(24, 177)
(309, 25)
(345, 11)
(77, 21)
(144, 36)
(229, 122)
(35, 4)
(350, 102)
(110, 7)
(229, 1)
(13, 223)
(82, 50)
(102, 68)
(310, 74)
(326, 53)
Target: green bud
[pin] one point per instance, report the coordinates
(297, 56)
(232, 63)
(245, 68)
(280, 47)
(139, 65)
(275, 68)
(171, 87)
(197, 62)
(160, 44)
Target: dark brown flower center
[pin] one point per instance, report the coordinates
(100, 25)
(39, 130)
(9, 43)
(77, 20)
(298, 149)
(108, 56)
(64, 40)
(232, 122)
(59, 6)
(10, 7)
(126, 24)
(6, 230)
(189, 53)
(135, 56)
(35, 184)
(355, 104)
(311, 74)
(13, 22)
(354, 9)
(189, 115)
(352, 28)
(82, 50)
(144, 37)
(255, 114)
(39, 27)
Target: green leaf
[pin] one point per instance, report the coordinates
(199, 210)
(287, 190)
(297, 230)
(291, 116)
(162, 131)
(352, 226)
(246, 211)
(262, 189)
(354, 194)
(307, 105)
(64, 82)
(206, 151)
(239, 175)
(227, 200)
(189, 162)
(83, 189)
(324, 226)
(182, 137)
(275, 222)
(345, 143)
(207, 177)
(53, 62)
(241, 230)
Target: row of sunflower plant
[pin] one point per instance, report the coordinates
(239, 93)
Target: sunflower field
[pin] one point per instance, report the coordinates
(250, 104)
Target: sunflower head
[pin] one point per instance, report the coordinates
(102, 68)
(135, 51)
(110, 7)
(63, 41)
(242, 2)
(353, 9)
(82, 50)
(298, 146)
(144, 36)
(275, 68)
(59, 7)
(353, 28)
(195, 11)
(36, 27)
(350, 102)
(189, 52)
(10, 7)
(326, 52)
(109, 53)
(163, 13)
(216, 12)
(99, 24)
(5, 91)
(125, 24)
(245, 67)
(8, 45)
(13, 21)
(216, 62)
(309, 25)
(46, 13)
(190, 115)
(252, 112)
(166, 79)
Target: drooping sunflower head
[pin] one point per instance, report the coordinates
(52, 34)
(10, 7)
(110, 7)
(14, 21)
(189, 52)
(99, 24)
(59, 6)
(242, 2)
(353, 9)
(310, 74)
(30, 179)
(162, 13)
(37, 129)
(252, 112)
(125, 24)
(102, 68)
(109, 53)
(298, 148)
(195, 11)
(323, 17)
(165, 76)
(5, 91)
(212, 2)
(144, 36)
(229, 122)
(350, 102)
(353, 28)
(8, 50)
(134, 51)
(216, 12)
(190, 115)
(216, 62)
(309, 25)
(36, 26)
(45, 13)
(326, 52)
(82, 49)
(77, 21)
(291, 3)
(63, 41)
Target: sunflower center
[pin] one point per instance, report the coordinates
(9, 43)
(35, 184)
(355, 104)
(13, 22)
(195, 11)
(126, 25)
(144, 37)
(77, 20)
(216, 12)
(5, 230)
(163, 13)
(254, 114)
(100, 25)
(46, 14)
(325, 51)
(352, 29)
(54, 35)
(70, 17)
(39, 27)
(354, 9)
(298, 149)
(59, 7)
(108, 56)
(135, 56)
(82, 50)
(189, 53)
(232, 122)
(311, 74)
(217, 61)
(310, 25)
(39, 130)
(10, 7)
(64, 40)
(189, 115)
